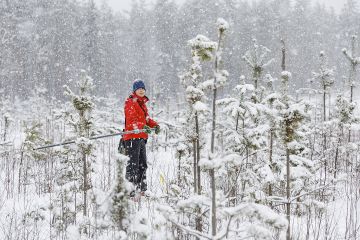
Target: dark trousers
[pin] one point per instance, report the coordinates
(136, 167)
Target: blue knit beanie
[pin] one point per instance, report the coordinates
(138, 84)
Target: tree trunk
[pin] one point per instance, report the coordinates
(197, 181)
(270, 159)
(288, 206)
(352, 74)
(179, 170)
(85, 183)
(6, 126)
(288, 233)
(195, 166)
(198, 173)
(324, 136)
(212, 172)
(283, 51)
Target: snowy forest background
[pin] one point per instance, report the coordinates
(282, 143)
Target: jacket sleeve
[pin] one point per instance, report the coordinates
(132, 117)
(151, 123)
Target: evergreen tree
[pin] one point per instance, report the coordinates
(349, 18)
(166, 40)
(91, 50)
(201, 50)
(83, 105)
(120, 205)
(74, 176)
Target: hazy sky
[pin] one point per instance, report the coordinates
(119, 5)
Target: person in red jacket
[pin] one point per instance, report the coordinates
(137, 117)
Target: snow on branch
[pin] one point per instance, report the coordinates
(194, 94)
(216, 162)
(222, 24)
(286, 75)
(194, 201)
(200, 106)
(258, 212)
(203, 47)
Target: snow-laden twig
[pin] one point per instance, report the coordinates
(292, 200)
(190, 231)
(7, 143)
(314, 190)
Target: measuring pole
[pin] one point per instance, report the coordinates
(92, 138)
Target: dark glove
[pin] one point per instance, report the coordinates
(147, 129)
(157, 129)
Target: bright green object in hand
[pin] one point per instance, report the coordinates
(157, 129)
(147, 129)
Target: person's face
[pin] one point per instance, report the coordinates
(140, 92)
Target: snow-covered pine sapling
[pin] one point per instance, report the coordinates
(272, 104)
(201, 50)
(292, 116)
(220, 76)
(181, 153)
(344, 113)
(326, 78)
(354, 62)
(241, 109)
(120, 204)
(83, 105)
(249, 122)
(240, 139)
(346, 161)
(33, 138)
(256, 59)
(180, 139)
(236, 106)
(287, 136)
(219, 79)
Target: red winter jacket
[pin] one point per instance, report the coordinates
(136, 116)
